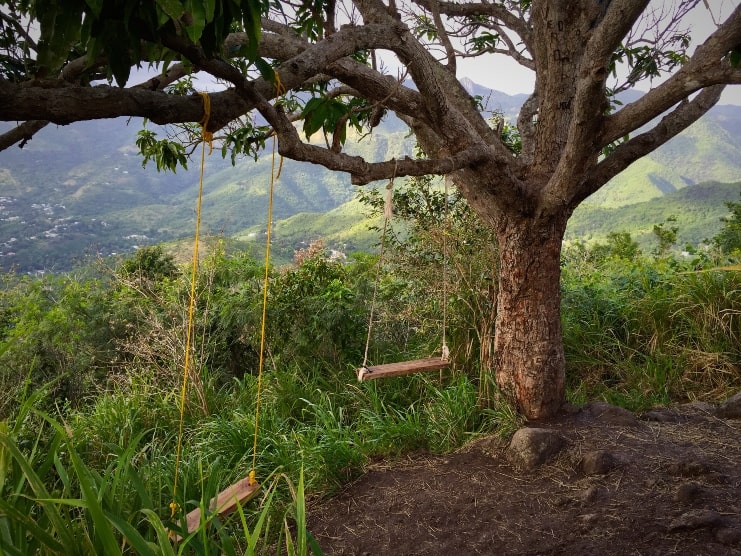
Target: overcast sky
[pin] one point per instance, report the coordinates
(501, 73)
(509, 77)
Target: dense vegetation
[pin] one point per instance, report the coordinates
(92, 364)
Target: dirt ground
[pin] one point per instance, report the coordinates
(664, 482)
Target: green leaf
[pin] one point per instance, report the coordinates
(209, 9)
(266, 70)
(23, 518)
(60, 24)
(132, 536)
(735, 57)
(163, 536)
(96, 6)
(197, 24)
(173, 8)
(103, 531)
(42, 495)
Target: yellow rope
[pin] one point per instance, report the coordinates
(280, 89)
(446, 230)
(273, 177)
(207, 137)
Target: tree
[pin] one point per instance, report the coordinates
(666, 234)
(729, 237)
(573, 134)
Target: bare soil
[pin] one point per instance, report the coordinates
(665, 482)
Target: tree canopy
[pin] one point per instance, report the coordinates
(319, 66)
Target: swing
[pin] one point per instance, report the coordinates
(247, 488)
(226, 501)
(389, 370)
(402, 368)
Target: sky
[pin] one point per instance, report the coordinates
(509, 77)
(501, 73)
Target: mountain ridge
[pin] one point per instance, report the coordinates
(82, 187)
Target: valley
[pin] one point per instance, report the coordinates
(80, 191)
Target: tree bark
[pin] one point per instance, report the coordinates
(529, 359)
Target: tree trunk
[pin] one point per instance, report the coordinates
(529, 359)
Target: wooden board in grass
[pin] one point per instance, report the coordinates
(225, 502)
(402, 368)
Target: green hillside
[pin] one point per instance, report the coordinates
(346, 228)
(698, 210)
(709, 150)
(81, 189)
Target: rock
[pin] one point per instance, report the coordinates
(696, 519)
(663, 416)
(598, 462)
(689, 468)
(531, 447)
(612, 414)
(699, 407)
(658, 415)
(592, 494)
(731, 408)
(730, 536)
(689, 493)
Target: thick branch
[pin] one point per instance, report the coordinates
(443, 34)
(449, 108)
(617, 21)
(526, 126)
(21, 133)
(64, 104)
(684, 115)
(361, 171)
(706, 67)
(589, 104)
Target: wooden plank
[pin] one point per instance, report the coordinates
(225, 502)
(402, 368)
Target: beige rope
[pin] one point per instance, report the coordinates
(387, 213)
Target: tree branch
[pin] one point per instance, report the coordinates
(615, 23)
(526, 126)
(706, 67)
(589, 102)
(473, 9)
(443, 34)
(21, 133)
(64, 104)
(685, 114)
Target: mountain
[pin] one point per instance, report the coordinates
(709, 150)
(81, 189)
(698, 211)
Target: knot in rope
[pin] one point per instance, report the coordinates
(208, 136)
(280, 89)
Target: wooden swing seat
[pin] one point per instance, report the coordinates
(225, 502)
(402, 368)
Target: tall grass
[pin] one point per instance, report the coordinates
(652, 332)
(53, 503)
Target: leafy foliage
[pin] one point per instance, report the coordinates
(167, 154)
(117, 29)
(638, 331)
(149, 264)
(729, 238)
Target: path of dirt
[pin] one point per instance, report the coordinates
(668, 482)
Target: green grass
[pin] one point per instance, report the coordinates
(99, 476)
(648, 333)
